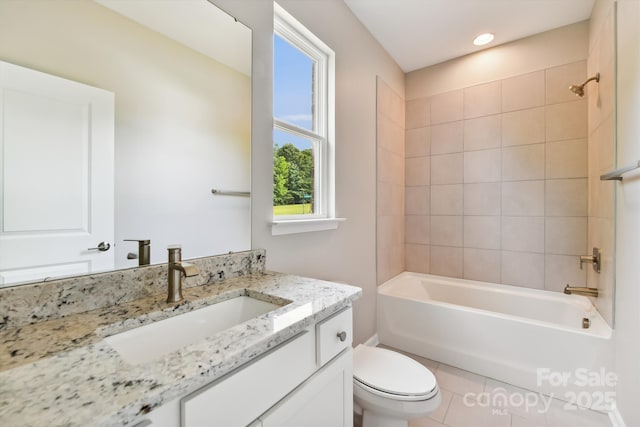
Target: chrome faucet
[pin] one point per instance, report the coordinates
(177, 269)
(589, 292)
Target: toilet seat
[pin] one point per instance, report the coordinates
(407, 380)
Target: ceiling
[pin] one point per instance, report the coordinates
(420, 33)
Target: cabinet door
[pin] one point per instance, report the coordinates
(325, 399)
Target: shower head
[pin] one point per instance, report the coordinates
(579, 89)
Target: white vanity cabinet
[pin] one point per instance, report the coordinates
(306, 381)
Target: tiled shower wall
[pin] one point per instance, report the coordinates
(496, 181)
(390, 185)
(601, 98)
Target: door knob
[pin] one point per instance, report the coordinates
(342, 336)
(102, 247)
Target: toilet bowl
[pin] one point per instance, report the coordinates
(391, 388)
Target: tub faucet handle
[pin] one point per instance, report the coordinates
(594, 260)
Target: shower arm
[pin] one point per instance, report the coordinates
(596, 78)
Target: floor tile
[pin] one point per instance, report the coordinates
(563, 414)
(458, 380)
(518, 401)
(440, 413)
(517, 421)
(425, 422)
(469, 413)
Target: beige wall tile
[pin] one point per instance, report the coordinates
(482, 199)
(417, 258)
(447, 169)
(446, 199)
(523, 198)
(446, 261)
(482, 166)
(418, 113)
(446, 230)
(566, 236)
(385, 165)
(446, 138)
(446, 107)
(383, 265)
(561, 270)
(417, 200)
(523, 269)
(567, 120)
(482, 133)
(524, 91)
(482, 232)
(390, 135)
(416, 229)
(384, 203)
(523, 127)
(390, 231)
(523, 234)
(559, 79)
(523, 163)
(417, 142)
(384, 97)
(482, 265)
(566, 159)
(397, 199)
(482, 100)
(417, 171)
(566, 197)
(390, 199)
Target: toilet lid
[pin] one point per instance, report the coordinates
(392, 372)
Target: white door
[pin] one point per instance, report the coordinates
(56, 176)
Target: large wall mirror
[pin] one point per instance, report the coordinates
(118, 120)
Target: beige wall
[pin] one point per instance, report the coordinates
(545, 50)
(496, 173)
(347, 254)
(601, 98)
(627, 292)
(390, 172)
(182, 122)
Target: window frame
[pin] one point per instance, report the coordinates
(323, 124)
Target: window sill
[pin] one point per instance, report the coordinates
(293, 226)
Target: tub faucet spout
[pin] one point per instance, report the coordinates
(589, 292)
(177, 269)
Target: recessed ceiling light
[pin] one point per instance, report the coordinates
(483, 39)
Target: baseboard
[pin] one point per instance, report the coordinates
(373, 341)
(616, 418)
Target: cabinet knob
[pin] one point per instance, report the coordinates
(342, 335)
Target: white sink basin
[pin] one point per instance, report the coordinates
(157, 339)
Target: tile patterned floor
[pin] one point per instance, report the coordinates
(502, 406)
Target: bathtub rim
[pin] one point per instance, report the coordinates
(602, 330)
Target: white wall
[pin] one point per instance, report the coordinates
(627, 312)
(347, 254)
(182, 122)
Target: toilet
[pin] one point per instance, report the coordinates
(391, 388)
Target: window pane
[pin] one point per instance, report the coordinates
(292, 85)
(293, 174)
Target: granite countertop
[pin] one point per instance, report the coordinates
(61, 372)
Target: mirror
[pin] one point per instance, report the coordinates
(168, 83)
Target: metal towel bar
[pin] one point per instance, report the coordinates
(616, 175)
(230, 193)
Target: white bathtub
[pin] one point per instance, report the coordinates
(503, 332)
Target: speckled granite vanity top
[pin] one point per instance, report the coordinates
(61, 372)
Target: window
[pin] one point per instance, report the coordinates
(303, 159)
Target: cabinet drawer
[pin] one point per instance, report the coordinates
(334, 335)
(240, 397)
